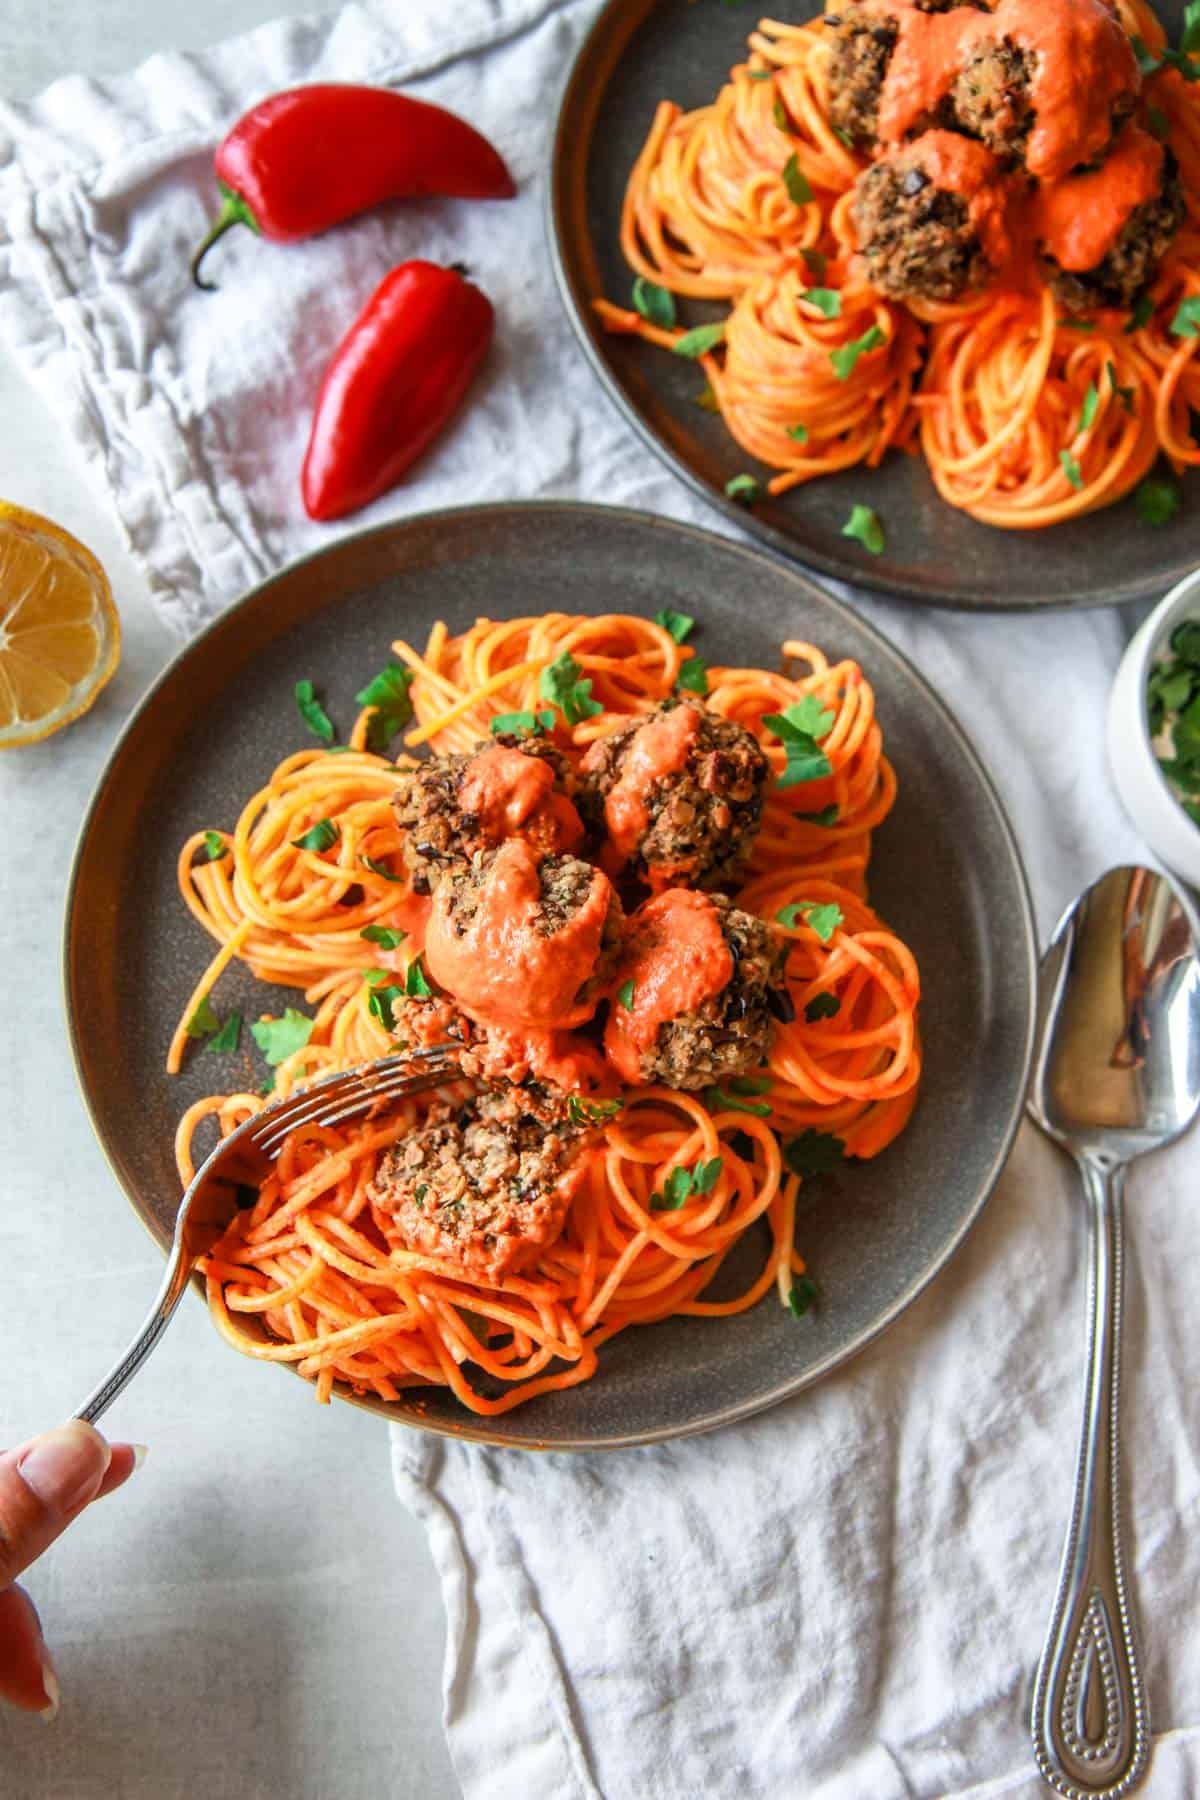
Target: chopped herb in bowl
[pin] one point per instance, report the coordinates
(1173, 715)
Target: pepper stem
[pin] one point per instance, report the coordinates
(234, 211)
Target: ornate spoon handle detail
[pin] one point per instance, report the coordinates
(1091, 1727)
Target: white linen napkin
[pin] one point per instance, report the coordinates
(844, 1598)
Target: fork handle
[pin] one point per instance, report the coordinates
(1091, 1726)
(174, 1286)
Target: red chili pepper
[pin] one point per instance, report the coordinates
(398, 376)
(312, 156)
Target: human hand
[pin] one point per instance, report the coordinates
(44, 1485)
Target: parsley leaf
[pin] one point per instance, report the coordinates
(215, 846)
(798, 433)
(731, 1096)
(654, 303)
(281, 1038)
(1189, 42)
(560, 683)
(1186, 323)
(381, 1002)
(1157, 122)
(744, 489)
(321, 836)
(679, 625)
(1124, 394)
(378, 868)
(229, 1035)
(796, 182)
(313, 713)
(384, 936)
(388, 693)
(1157, 500)
(700, 340)
(1091, 401)
(759, 74)
(683, 1184)
(1141, 315)
(827, 301)
(813, 1153)
(864, 525)
(1073, 471)
(780, 114)
(822, 1006)
(798, 727)
(625, 994)
(707, 400)
(845, 358)
(828, 815)
(592, 1112)
(415, 984)
(824, 920)
(524, 724)
(803, 1293)
(693, 676)
(815, 261)
(203, 1021)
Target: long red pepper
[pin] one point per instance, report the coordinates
(396, 379)
(310, 157)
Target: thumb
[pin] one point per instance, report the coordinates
(43, 1484)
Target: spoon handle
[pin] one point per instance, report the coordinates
(1091, 1726)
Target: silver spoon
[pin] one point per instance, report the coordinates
(1117, 1074)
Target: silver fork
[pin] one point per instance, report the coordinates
(213, 1199)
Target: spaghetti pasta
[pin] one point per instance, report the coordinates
(307, 1276)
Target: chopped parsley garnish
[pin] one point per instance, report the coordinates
(682, 1184)
(864, 525)
(524, 724)
(823, 919)
(822, 1006)
(381, 1003)
(798, 433)
(693, 676)
(313, 713)
(759, 74)
(827, 301)
(846, 357)
(796, 181)
(420, 1191)
(828, 815)
(1186, 323)
(378, 868)
(744, 489)
(798, 727)
(1091, 401)
(1157, 500)
(388, 694)
(803, 1293)
(281, 1038)
(843, 137)
(813, 1153)
(1076, 324)
(815, 261)
(321, 836)
(215, 846)
(700, 340)
(1157, 122)
(384, 935)
(1141, 315)
(780, 114)
(415, 983)
(562, 685)
(625, 994)
(204, 1021)
(1190, 40)
(229, 1035)
(707, 400)
(592, 1112)
(1125, 395)
(733, 1095)
(679, 625)
(1071, 468)
(657, 304)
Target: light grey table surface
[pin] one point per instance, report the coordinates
(255, 1616)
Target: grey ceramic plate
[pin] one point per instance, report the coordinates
(946, 875)
(641, 51)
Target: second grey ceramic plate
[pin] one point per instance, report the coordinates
(642, 51)
(946, 875)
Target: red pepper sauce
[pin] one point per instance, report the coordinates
(963, 167)
(677, 958)
(513, 795)
(1079, 219)
(505, 969)
(659, 748)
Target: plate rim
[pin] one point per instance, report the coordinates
(472, 1427)
(878, 580)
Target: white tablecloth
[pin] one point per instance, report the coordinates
(844, 1598)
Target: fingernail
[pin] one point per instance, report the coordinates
(140, 1453)
(53, 1692)
(65, 1467)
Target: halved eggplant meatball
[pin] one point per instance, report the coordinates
(695, 992)
(930, 218)
(452, 806)
(484, 1183)
(678, 795)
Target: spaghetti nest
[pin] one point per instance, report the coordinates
(1023, 417)
(307, 1275)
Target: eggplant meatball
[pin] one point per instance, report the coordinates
(695, 992)
(930, 218)
(991, 97)
(679, 794)
(523, 942)
(452, 806)
(864, 38)
(1132, 261)
(484, 1183)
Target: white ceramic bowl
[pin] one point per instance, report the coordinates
(1139, 780)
